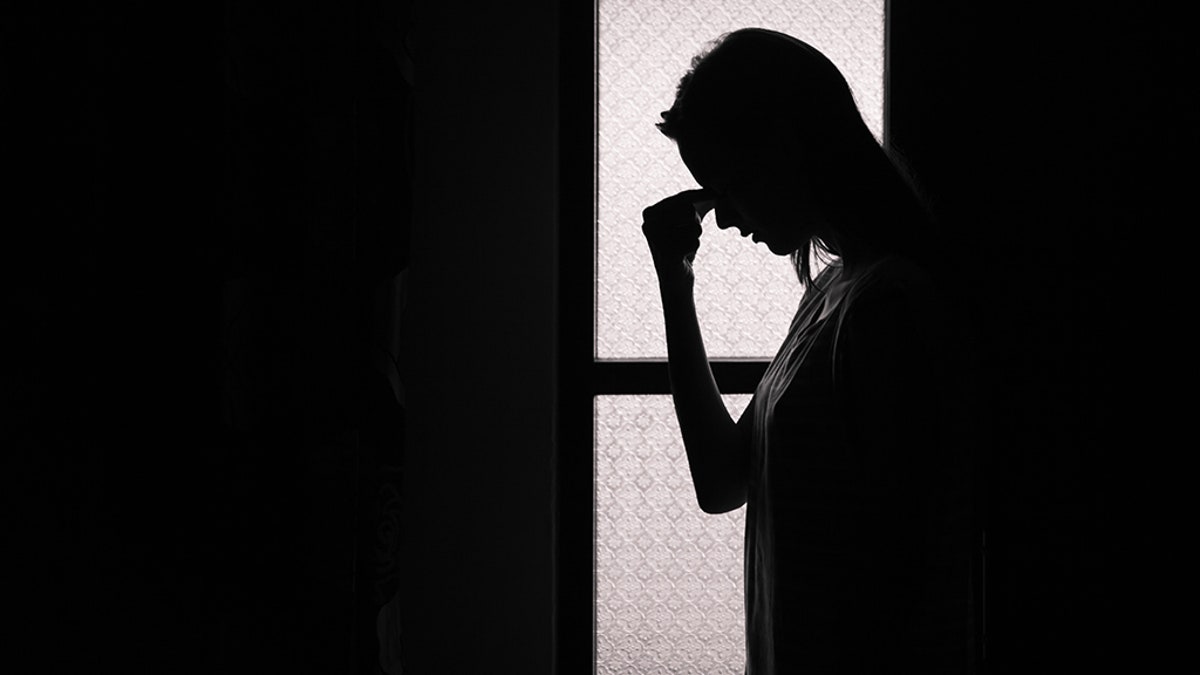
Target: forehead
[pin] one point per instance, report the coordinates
(711, 160)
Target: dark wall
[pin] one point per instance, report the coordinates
(1051, 143)
(480, 349)
(208, 227)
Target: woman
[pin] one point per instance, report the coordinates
(848, 457)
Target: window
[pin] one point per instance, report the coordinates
(654, 585)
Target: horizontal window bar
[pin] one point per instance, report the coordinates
(734, 376)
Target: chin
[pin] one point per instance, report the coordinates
(779, 250)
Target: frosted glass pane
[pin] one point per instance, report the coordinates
(668, 576)
(644, 47)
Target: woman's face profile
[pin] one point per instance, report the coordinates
(758, 198)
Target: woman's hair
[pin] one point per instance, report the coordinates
(751, 79)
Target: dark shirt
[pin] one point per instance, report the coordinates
(856, 525)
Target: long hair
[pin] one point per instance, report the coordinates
(753, 76)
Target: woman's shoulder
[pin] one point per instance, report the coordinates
(895, 301)
(893, 276)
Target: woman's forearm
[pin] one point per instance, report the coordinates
(710, 436)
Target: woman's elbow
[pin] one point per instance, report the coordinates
(715, 502)
(719, 473)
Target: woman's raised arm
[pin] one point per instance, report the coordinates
(718, 451)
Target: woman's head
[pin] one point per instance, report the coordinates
(769, 125)
(753, 77)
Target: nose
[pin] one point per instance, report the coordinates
(726, 223)
(726, 216)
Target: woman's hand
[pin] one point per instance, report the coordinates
(672, 229)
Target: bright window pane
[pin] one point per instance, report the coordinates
(745, 296)
(668, 576)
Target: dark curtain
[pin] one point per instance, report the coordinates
(1053, 144)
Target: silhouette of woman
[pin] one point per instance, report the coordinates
(847, 458)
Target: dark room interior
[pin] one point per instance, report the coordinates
(285, 321)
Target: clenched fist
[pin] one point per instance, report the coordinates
(672, 229)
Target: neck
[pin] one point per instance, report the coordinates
(852, 249)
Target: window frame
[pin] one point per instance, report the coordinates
(581, 376)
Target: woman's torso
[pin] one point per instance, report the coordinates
(829, 584)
